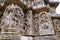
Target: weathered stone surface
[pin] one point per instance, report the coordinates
(56, 22)
(12, 21)
(45, 24)
(15, 37)
(46, 38)
(13, 26)
(26, 38)
(2, 2)
(29, 23)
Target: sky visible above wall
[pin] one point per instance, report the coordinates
(58, 9)
(54, 0)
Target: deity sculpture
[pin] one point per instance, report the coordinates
(12, 22)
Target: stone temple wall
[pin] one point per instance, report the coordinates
(17, 23)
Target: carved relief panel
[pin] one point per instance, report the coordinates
(36, 24)
(45, 24)
(56, 22)
(12, 22)
(29, 23)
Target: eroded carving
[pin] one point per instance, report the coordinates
(2, 2)
(29, 23)
(12, 22)
(45, 24)
(56, 24)
(36, 23)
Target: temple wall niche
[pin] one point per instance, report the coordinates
(29, 23)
